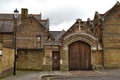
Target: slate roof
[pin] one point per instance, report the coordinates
(45, 23)
(57, 34)
(6, 26)
(6, 16)
(37, 16)
(6, 22)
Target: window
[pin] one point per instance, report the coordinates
(38, 41)
(0, 52)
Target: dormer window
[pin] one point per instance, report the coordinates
(38, 41)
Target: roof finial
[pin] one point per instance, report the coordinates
(88, 19)
(118, 3)
(79, 20)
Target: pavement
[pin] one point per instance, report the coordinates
(113, 74)
(109, 74)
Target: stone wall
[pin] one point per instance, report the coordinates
(112, 58)
(6, 61)
(30, 59)
(111, 38)
(7, 40)
(28, 31)
(47, 62)
(97, 59)
(36, 59)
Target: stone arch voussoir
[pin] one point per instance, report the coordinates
(92, 41)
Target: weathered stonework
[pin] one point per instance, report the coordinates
(98, 61)
(6, 60)
(28, 31)
(112, 58)
(111, 38)
(47, 63)
(30, 59)
(79, 36)
(7, 39)
(101, 35)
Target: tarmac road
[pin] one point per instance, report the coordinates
(89, 78)
(113, 74)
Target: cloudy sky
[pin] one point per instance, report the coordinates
(62, 13)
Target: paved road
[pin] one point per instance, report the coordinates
(23, 75)
(32, 75)
(73, 75)
(99, 75)
(90, 78)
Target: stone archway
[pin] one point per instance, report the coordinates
(68, 40)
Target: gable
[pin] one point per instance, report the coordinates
(77, 27)
(96, 18)
(6, 23)
(57, 34)
(114, 12)
(112, 20)
(31, 27)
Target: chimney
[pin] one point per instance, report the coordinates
(24, 13)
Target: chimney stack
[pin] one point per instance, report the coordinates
(24, 13)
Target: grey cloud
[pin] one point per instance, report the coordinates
(59, 16)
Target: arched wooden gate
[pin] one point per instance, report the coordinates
(79, 56)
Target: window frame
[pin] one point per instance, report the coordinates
(38, 41)
(1, 52)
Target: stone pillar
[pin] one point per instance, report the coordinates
(64, 57)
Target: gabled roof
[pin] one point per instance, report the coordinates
(37, 16)
(6, 22)
(54, 33)
(57, 34)
(45, 23)
(31, 17)
(6, 26)
(6, 16)
(82, 23)
(107, 12)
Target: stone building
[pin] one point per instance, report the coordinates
(6, 60)
(85, 45)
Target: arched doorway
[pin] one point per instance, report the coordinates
(79, 56)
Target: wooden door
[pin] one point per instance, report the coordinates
(55, 60)
(79, 56)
